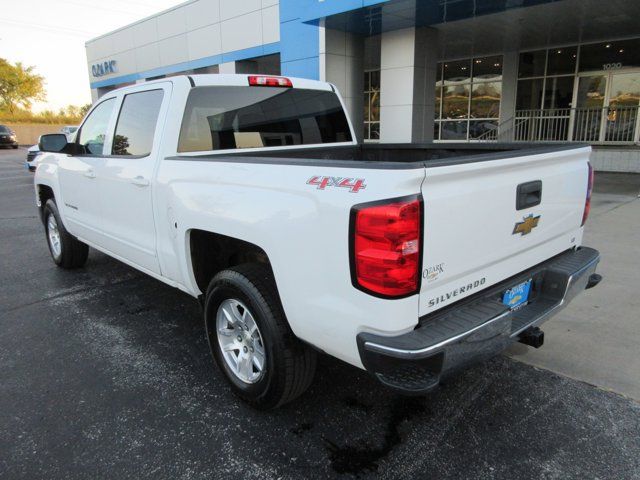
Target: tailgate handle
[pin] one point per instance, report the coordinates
(529, 195)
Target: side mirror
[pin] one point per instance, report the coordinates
(53, 142)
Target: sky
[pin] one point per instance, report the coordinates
(50, 35)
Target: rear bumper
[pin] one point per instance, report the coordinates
(476, 328)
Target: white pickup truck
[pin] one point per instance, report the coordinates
(251, 194)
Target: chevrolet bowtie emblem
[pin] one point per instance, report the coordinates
(526, 225)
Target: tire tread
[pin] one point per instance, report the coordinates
(299, 361)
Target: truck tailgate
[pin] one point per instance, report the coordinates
(474, 235)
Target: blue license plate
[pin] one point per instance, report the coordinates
(517, 296)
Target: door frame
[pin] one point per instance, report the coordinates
(607, 98)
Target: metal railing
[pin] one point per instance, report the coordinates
(607, 125)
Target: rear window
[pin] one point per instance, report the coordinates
(223, 118)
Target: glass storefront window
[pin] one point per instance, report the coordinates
(610, 55)
(455, 101)
(591, 91)
(529, 96)
(372, 105)
(467, 90)
(453, 130)
(562, 61)
(457, 72)
(625, 90)
(558, 92)
(438, 92)
(485, 100)
(479, 129)
(532, 64)
(546, 79)
(487, 69)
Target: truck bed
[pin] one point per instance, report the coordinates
(388, 156)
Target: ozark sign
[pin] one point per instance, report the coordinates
(104, 68)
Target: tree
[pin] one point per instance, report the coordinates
(20, 86)
(84, 109)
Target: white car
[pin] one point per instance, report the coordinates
(34, 151)
(250, 194)
(32, 158)
(69, 131)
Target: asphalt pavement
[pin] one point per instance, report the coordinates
(105, 373)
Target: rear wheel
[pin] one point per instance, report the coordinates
(251, 341)
(66, 250)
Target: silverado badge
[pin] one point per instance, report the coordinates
(526, 225)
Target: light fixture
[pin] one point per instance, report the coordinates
(621, 50)
(608, 45)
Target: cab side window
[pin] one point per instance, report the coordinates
(94, 129)
(137, 123)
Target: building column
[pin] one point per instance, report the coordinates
(408, 64)
(228, 67)
(508, 99)
(342, 63)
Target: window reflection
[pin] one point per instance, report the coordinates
(610, 55)
(468, 89)
(485, 100)
(372, 105)
(137, 123)
(457, 72)
(455, 101)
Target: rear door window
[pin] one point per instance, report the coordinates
(224, 118)
(136, 124)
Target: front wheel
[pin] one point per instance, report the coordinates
(66, 250)
(251, 341)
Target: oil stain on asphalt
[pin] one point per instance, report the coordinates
(364, 457)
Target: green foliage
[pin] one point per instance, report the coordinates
(20, 86)
(70, 115)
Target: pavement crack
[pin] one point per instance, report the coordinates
(617, 207)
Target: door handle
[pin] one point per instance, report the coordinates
(528, 194)
(140, 181)
(90, 174)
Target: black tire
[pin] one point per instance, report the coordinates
(290, 364)
(15, 147)
(72, 252)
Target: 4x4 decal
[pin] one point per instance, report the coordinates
(353, 184)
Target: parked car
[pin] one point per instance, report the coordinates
(69, 130)
(8, 137)
(251, 194)
(32, 158)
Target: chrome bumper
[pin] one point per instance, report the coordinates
(476, 328)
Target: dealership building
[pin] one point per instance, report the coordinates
(416, 70)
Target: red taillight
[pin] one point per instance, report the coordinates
(587, 202)
(263, 81)
(386, 243)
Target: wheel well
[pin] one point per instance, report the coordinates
(212, 253)
(44, 193)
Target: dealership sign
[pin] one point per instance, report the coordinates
(104, 68)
